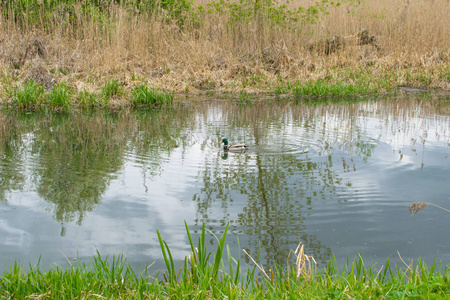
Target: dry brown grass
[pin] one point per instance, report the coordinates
(409, 45)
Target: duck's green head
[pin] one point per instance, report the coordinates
(225, 141)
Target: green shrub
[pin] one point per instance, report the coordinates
(277, 13)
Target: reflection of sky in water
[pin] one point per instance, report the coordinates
(377, 163)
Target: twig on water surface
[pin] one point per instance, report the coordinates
(415, 207)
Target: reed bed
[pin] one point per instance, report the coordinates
(202, 275)
(196, 47)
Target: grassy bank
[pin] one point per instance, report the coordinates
(203, 47)
(202, 275)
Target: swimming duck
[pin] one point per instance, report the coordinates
(237, 147)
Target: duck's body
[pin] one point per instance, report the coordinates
(237, 147)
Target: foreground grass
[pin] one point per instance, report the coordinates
(202, 276)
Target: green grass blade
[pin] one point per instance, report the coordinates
(169, 263)
(219, 252)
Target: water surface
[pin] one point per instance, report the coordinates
(337, 177)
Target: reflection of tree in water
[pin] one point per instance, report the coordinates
(13, 152)
(75, 156)
(155, 135)
(277, 189)
(275, 200)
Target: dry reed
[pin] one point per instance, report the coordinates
(415, 207)
(406, 43)
(305, 265)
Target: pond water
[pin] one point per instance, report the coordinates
(337, 177)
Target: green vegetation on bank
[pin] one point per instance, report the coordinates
(323, 88)
(33, 95)
(206, 275)
(61, 97)
(111, 89)
(143, 95)
(342, 84)
(28, 96)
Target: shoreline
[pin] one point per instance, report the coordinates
(122, 98)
